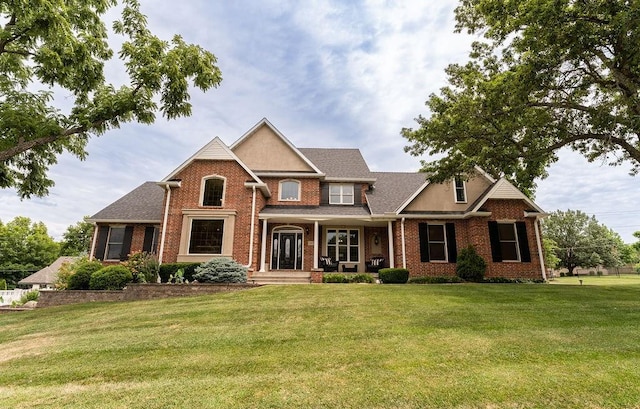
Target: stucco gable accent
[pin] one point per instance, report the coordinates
(503, 189)
(283, 155)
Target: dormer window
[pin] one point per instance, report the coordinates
(460, 190)
(213, 191)
(290, 190)
(341, 193)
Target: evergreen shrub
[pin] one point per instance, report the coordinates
(393, 275)
(221, 270)
(80, 278)
(470, 265)
(110, 278)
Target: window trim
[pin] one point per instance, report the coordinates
(335, 255)
(229, 217)
(457, 188)
(342, 195)
(205, 219)
(515, 241)
(108, 242)
(444, 243)
(280, 190)
(203, 185)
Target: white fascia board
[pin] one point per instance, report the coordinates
(456, 216)
(518, 195)
(299, 175)
(265, 121)
(485, 174)
(348, 179)
(123, 221)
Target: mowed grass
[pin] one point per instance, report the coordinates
(623, 279)
(333, 346)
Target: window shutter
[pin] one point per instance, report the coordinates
(523, 242)
(101, 242)
(357, 194)
(126, 243)
(452, 247)
(324, 194)
(424, 242)
(148, 239)
(494, 237)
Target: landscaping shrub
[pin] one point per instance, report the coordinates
(470, 266)
(3, 284)
(144, 267)
(435, 280)
(350, 278)
(221, 270)
(393, 275)
(81, 277)
(29, 296)
(110, 278)
(170, 269)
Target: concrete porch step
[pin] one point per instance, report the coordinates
(280, 277)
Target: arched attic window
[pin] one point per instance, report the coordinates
(213, 191)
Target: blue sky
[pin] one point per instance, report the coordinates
(326, 74)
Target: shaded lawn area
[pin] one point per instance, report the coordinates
(333, 346)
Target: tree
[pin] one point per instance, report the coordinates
(76, 239)
(549, 74)
(550, 249)
(62, 44)
(581, 241)
(25, 247)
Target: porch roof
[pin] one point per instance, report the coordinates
(297, 211)
(144, 203)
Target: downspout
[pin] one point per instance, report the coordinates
(93, 243)
(263, 246)
(539, 242)
(404, 249)
(392, 262)
(164, 222)
(253, 227)
(316, 236)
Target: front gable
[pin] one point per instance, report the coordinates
(441, 197)
(265, 149)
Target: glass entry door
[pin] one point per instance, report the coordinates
(286, 252)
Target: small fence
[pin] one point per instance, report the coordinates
(9, 296)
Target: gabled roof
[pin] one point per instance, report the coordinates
(340, 164)
(214, 150)
(141, 205)
(392, 189)
(503, 189)
(48, 274)
(264, 122)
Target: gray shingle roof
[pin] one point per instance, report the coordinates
(143, 203)
(48, 274)
(339, 163)
(392, 189)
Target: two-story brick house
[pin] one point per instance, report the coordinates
(278, 209)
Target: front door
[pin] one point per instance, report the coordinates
(287, 251)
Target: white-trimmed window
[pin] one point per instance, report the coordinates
(213, 191)
(460, 190)
(343, 245)
(115, 242)
(437, 242)
(206, 236)
(289, 190)
(341, 193)
(508, 242)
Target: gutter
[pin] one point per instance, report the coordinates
(404, 247)
(93, 242)
(167, 185)
(536, 222)
(253, 227)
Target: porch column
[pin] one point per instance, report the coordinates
(316, 237)
(392, 262)
(263, 246)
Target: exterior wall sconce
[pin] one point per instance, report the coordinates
(306, 230)
(376, 239)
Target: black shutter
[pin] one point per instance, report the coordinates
(494, 237)
(423, 234)
(126, 243)
(452, 247)
(101, 242)
(324, 194)
(357, 194)
(523, 242)
(148, 239)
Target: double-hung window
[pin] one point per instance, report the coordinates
(437, 242)
(460, 190)
(509, 241)
(341, 193)
(213, 192)
(115, 243)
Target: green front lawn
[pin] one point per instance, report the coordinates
(623, 279)
(333, 346)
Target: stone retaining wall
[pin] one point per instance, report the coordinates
(136, 292)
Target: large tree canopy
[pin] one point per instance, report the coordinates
(548, 74)
(62, 45)
(580, 241)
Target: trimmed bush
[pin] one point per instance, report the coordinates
(170, 269)
(470, 266)
(350, 278)
(221, 270)
(110, 278)
(361, 278)
(393, 275)
(435, 280)
(80, 279)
